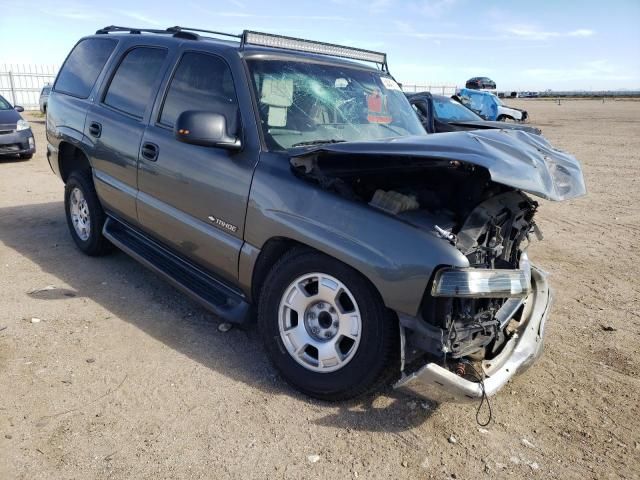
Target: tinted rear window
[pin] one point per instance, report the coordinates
(81, 69)
(130, 88)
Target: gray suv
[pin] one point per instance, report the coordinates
(286, 180)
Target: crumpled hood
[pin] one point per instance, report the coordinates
(512, 157)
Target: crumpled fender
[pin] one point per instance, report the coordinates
(512, 157)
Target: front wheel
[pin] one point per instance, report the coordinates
(325, 327)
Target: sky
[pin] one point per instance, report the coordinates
(522, 45)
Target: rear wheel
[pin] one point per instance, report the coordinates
(85, 216)
(325, 327)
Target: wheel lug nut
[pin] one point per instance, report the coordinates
(335, 324)
(332, 310)
(321, 305)
(315, 330)
(311, 316)
(327, 334)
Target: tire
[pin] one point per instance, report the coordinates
(28, 156)
(94, 243)
(358, 371)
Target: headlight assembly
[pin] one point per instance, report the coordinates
(481, 282)
(22, 125)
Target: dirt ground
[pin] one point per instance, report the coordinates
(124, 377)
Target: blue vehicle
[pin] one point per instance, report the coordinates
(489, 106)
(16, 137)
(444, 114)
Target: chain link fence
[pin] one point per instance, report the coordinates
(21, 84)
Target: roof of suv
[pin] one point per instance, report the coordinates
(175, 35)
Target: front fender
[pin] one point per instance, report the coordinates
(397, 258)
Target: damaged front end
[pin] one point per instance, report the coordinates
(455, 379)
(467, 189)
(487, 318)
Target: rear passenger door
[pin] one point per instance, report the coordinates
(115, 124)
(185, 189)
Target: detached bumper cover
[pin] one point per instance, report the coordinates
(437, 383)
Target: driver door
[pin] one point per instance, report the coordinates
(185, 189)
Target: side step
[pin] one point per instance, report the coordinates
(213, 294)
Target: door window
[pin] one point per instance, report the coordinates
(201, 82)
(131, 87)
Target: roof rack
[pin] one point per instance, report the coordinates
(173, 31)
(179, 32)
(189, 29)
(249, 37)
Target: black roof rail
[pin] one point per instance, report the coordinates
(214, 32)
(174, 31)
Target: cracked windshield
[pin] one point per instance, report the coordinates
(311, 104)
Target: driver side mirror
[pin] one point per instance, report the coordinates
(18, 108)
(206, 129)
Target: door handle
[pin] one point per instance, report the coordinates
(95, 129)
(149, 151)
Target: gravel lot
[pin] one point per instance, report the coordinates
(124, 377)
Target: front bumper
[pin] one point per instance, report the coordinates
(437, 383)
(17, 143)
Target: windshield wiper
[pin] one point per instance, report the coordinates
(317, 142)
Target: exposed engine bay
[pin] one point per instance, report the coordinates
(488, 222)
(494, 235)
